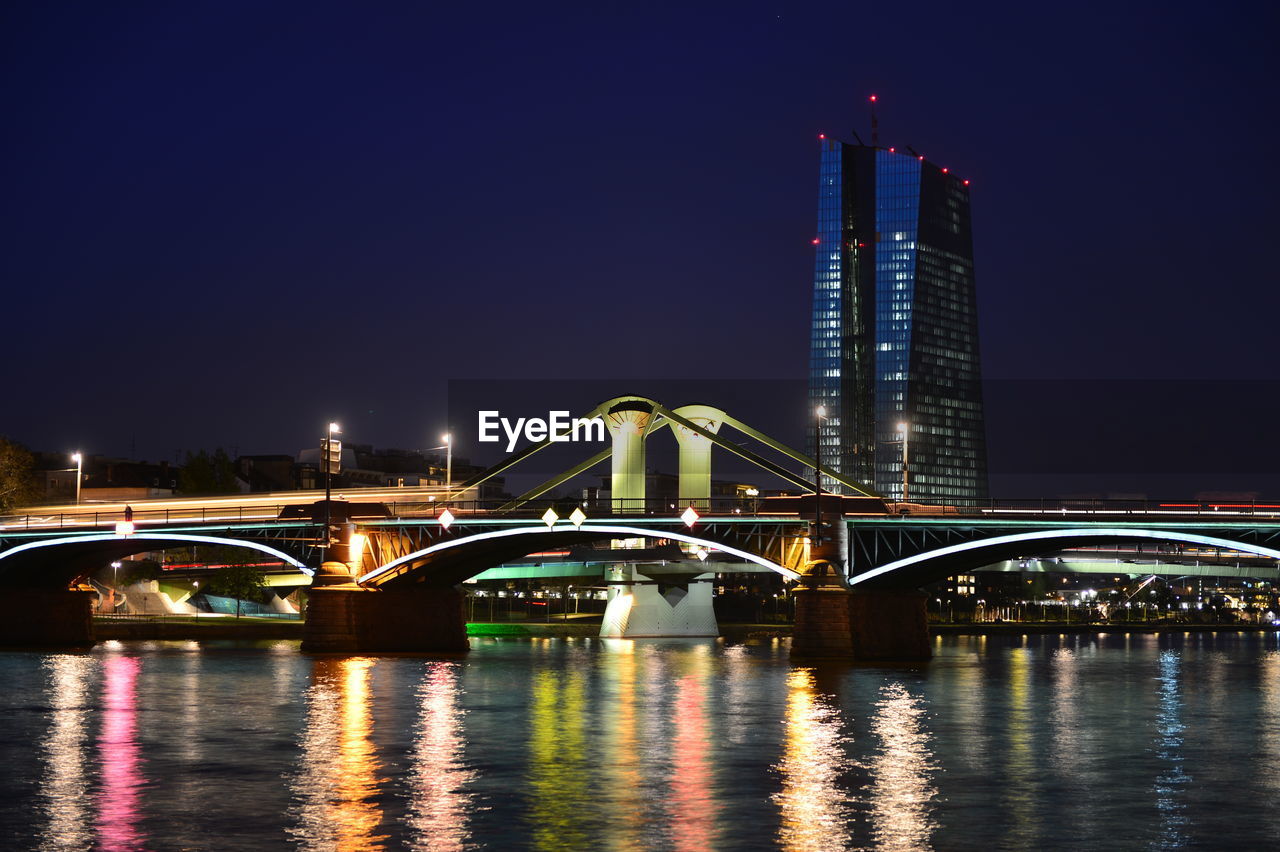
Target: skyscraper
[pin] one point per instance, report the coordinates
(895, 325)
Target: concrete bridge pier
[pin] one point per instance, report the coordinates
(349, 618)
(642, 607)
(46, 617)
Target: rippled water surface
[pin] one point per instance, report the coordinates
(1054, 742)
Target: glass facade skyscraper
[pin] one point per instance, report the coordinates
(895, 325)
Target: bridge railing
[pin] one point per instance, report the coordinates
(89, 518)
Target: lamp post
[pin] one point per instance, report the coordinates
(334, 429)
(820, 414)
(905, 429)
(79, 460)
(448, 465)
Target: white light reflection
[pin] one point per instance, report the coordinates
(815, 808)
(64, 788)
(1269, 730)
(902, 788)
(438, 812)
(1065, 715)
(1173, 781)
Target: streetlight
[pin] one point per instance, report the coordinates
(334, 429)
(820, 414)
(448, 464)
(78, 459)
(905, 429)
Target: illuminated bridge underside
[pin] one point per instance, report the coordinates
(911, 561)
(451, 561)
(58, 562)
(1260, 569)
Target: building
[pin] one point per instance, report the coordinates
(104, 479)
(895, 325)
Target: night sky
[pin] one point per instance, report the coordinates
(226, 223)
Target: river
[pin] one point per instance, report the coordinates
(1043, 742)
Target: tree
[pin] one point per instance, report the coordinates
(206, 473)
(17, 483)
(238, 581)
(139, 571)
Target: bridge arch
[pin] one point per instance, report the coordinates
(504, 544)
(939, 563)
(77, 556)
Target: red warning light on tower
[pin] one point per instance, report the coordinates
(815, 241)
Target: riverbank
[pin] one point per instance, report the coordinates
(263, 628)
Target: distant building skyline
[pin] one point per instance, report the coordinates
(894, 330)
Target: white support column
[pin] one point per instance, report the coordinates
(627, 428)
(640, 608)
(695, 457)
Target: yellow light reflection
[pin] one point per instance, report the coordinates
(1021, 767)
(64, 786)
(337, 787)
(815, 808)
(559, 777)
(439, 809)
(902, 788)
(621, 770)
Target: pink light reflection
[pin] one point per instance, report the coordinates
(119, 756)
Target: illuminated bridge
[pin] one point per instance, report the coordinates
(384, 575)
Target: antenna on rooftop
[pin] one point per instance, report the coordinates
(859, 138)
(875, 125)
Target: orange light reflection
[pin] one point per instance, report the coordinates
(337, 787)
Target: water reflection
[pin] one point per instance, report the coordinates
(902, 789)
(337, 785)
(64, 786)
(815, 807)
(439, 808)
(1269, 730)
(1020, 758)
(694, 808)
(119, 756)
(1171, 783)
(621, 769)
(559, 774)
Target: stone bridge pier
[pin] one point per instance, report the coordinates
(344, 617)
(46, 617)
(871, 625)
